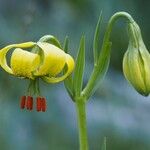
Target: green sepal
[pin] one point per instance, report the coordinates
(68, 81)
(79, 68)
(50, 39)
(96, 43)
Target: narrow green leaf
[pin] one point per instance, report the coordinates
(68, 81)
(103, 63)
(79, 68)
(104, 144)
(99, 71)
(66, 44)
(96, 42)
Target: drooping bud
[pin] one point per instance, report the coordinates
(136, 62)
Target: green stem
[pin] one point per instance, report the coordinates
(90, 87)
(82, 125)
(111, 22)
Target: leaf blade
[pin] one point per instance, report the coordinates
(68, 81)
(96, 39)
(99, 71)
(79, 69)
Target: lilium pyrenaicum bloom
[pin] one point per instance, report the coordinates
(47, 62)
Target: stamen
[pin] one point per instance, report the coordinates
(29, 104)
(43, 103)
(38, 104)
(23, 101)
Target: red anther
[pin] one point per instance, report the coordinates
(38, 104)
(43, 103)
(29, 102)
(23, 101)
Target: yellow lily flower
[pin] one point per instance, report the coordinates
(31, 65)
(46, 63)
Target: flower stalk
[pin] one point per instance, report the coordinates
(82, 124)
(74, 83)
(102, 63)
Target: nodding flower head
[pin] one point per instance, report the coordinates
(44, 60)
(136, 62)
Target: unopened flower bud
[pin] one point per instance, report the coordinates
(136, 62)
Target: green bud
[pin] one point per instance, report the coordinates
(136, 62)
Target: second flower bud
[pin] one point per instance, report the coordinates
(136, 62)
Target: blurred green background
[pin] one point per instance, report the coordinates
(116, 110)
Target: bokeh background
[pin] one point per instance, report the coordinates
(116, 110)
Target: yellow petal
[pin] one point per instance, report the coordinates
(53, 61)
(23, 63)
(70, 67)
(3, 52)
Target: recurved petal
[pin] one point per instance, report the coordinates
(23, 63)
(53, 61)
(70, 66)
(4, 51)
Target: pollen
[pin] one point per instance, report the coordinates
(43, 101)
(23, 102)
(40, 104)
(27, 102)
